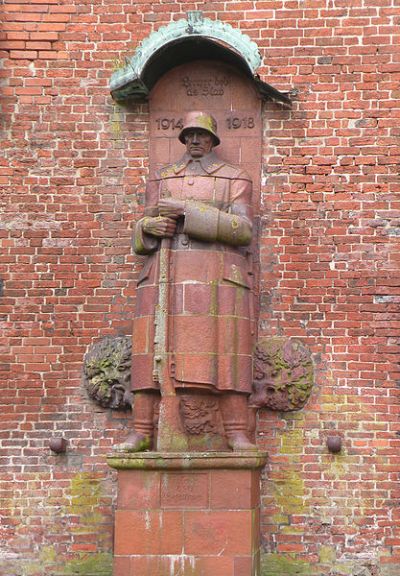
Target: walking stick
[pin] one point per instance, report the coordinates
(171, 436)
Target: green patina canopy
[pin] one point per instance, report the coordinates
(184, 41)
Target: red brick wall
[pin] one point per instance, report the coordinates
(72, 180)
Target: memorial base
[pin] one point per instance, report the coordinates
(190, 514)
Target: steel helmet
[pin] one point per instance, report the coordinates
(199, 120)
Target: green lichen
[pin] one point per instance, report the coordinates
(90, 565)
(280, 519)
(48, 555)
(333, 402)
(171, 438)
(327, 555)
(119, 63)
(85, 494)
(116, 121)
(291, 530)
(121, 463)
(288, 488)
(106, 372)
(78, 509)
(390, 570)
(345, 568)
(214, 298)
(47, 560)
(292, 442)
(289, 493)
(277, 565)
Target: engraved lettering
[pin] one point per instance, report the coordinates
(211, 86)
(234, 122)
(169, 123)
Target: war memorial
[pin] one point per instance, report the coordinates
(200, 288)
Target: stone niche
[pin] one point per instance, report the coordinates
(221, 90)
(195, 512)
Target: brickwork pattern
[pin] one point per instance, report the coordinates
(72, 178)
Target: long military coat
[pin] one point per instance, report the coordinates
(210, 307)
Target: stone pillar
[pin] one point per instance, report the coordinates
(188, 514)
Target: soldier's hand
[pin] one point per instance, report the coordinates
(171, 208)
(159, 226)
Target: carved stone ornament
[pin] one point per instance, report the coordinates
(283, 379)
(200, 414)
(283, 374)
(107, 372)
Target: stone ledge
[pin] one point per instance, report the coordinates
(186, 461)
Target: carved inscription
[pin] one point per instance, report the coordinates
(167, 123)
(211, 86)
(233, 123)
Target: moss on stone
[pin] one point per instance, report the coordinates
(390, 569)
(289, 493)
(279, 519)
(327, 555)
(107, 371)
(121, 462)
(345, 568)
(333, 402)
(85, 495)
(277, 565)
(49, 562)
(214, 298)
(292, 442)
(291, 530)
(90, 565)
(116, 120)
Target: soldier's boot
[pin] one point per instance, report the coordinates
(234, 413)
(143, 424)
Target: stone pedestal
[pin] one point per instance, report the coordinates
(190, 514)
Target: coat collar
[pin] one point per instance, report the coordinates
(210, 163)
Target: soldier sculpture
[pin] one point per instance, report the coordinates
(194, 291)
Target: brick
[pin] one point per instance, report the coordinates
(55, 55)
(38, 45)
(12, 45)
(44, 36)
(50, 27)
(23, 54)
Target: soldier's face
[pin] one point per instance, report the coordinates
(198, 142)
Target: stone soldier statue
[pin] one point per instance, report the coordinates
(203, 205)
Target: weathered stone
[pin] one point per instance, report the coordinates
(187, 514)
(283, 374)
(107, 372)
(192, 329)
